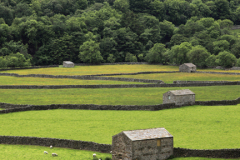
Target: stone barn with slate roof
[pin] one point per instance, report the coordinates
(146, 144)
(187, 67)
(68, 64)
(179, 97)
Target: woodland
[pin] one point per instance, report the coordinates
(47, 32)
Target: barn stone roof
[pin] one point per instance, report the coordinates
(67, 62)
(189, 64)
(144, 134)
(182, 92)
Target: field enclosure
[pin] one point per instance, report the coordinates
(194, 127)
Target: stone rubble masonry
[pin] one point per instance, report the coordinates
(176, 84)
(231, 73)
(9, 108)
(64, 143)
(215, 153)
(106, 148)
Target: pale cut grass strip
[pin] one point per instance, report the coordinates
(183, 76)
(96, 69)
(9, 80)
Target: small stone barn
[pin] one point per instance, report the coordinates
(147, 144)
(187, 67)
(179, 97)
(68, 64)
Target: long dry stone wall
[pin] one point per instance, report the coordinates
(230, 73)
(216, 153)
(106, 148)
(85, 77)
(192, 84)
(9, 108)
(64, 143)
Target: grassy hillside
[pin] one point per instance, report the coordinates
(114, 96)
(170, 77)
(7, 80)
(197, 127)
(98, 69)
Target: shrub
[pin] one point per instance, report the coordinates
(111, 58)
(198, 55)
(3, 62)
(211, 61)
(226, 59)
(155, 54)
(238, 62)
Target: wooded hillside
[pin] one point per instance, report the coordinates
(43, 32)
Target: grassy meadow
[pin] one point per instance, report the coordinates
(9, 80)
(197, 127)
(98, 69)
(24, 152)
(183, 76)
(111, 96)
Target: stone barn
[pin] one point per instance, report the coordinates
(68, 64)
(187, 67)
(179, 97)
(146, 144)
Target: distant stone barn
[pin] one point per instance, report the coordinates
(187, 67)
(68, 64)
(179, 97)
(147, 144)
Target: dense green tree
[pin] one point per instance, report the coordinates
(211, 61)
(226, 59)
(178, 53)
(198, 55)
(90, 52)
(166, 31)
(3, 62)
(236, 49)
(220, 46)
(156, 53)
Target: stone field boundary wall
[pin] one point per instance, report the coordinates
(63, 143)
(214, 153)
(10, 108)
(85, 77)
(231, 73)
(106, 148)
(176, 84)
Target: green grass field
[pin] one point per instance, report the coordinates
(7, 80)
(24, 152)
(182, 76)
(98, 69)
(197, 127)
(114, 96)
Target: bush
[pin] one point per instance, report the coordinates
(155, 54)
(3, 62)
(211, 61)
(226, 59)
(130, 58)
(111, 58)
(198, 55)
(238, 62)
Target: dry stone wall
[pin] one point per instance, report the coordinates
(216, 153)
(106, 148)
(64, 143)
